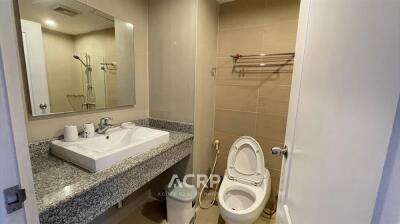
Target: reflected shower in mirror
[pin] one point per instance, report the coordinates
(77, 57)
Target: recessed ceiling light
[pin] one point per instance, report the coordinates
(50, 22)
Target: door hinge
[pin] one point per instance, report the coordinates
(14, 198)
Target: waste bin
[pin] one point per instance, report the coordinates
(181, 201)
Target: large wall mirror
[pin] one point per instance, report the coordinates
(77, 57)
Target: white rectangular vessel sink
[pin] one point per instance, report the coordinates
(104, 150)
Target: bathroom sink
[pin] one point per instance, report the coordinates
(102, 151)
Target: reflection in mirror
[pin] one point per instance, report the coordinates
(77, 58)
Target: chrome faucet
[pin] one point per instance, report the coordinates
(104, 125)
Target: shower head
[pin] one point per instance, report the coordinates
(78, 58)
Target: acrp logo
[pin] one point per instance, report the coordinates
(201, 180)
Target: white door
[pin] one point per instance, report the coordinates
(345, 90)
(8, 164)
(35, 67)
(15, 165)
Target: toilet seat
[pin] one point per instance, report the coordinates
(257, 194)
(246, 186)
(246, 161)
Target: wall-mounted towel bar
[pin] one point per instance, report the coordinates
(262, 63)
(109, 66)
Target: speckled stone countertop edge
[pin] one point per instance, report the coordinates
(94, 202)
(40, 148)
(118, 169)
(171, 125)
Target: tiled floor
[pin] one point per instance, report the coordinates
(153, 212)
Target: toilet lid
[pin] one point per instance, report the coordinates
(246, 161)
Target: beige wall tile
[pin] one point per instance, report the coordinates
(242, 14)
(271, 107)
(276, 79)
(238, 98)
(274, 100)
(239, 32)
(234, 122)
(279, 36)
(275, 178)
(224, 67)
(275, 92)
(271, 162)
(280, 10)
(242, 41)
(226, 141)
(271, 127)
(247, 13)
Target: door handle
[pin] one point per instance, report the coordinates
(43, 106)
(14, 198)
(278, 151)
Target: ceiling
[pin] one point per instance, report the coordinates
(87, 19)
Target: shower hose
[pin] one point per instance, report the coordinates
(214, 197)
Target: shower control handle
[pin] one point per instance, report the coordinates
(278, 151)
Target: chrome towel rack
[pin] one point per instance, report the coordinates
(262, 63)
(110, 66)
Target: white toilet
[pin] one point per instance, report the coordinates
(246, 186)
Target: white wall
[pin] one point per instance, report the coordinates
(347, 68)
(387, 207)
(182, 53)
(62, 75)
(206, 51)
(124, 37)
(172, 27)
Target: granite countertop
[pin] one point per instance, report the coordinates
(67, 193)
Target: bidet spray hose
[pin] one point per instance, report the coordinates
(216, 147)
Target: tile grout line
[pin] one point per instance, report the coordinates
(250, 112)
